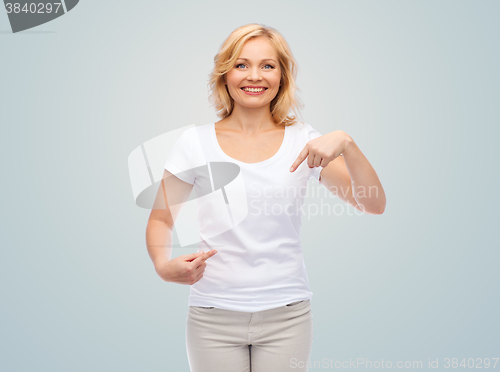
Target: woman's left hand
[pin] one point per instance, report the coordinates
(322, 150)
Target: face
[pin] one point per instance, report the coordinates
(257, 67)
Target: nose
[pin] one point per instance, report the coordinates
(254, 74)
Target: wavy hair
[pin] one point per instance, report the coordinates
(225, 59)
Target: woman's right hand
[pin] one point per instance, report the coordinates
(185, 269)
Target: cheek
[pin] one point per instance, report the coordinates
(228, 78)
(231, 82)
(277, 79)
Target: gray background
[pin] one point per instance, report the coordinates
(414, 83)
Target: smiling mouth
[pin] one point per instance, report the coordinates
(253, 90)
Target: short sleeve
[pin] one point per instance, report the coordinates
(180, 160)
(311, 134)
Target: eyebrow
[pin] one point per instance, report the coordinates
(265, 59)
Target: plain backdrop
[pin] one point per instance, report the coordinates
(414, 83)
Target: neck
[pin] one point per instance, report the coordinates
(250, 119)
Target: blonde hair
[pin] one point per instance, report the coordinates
(226, 58)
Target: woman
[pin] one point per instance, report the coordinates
(249, 304)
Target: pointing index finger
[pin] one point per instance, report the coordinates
(203, 257)
(302, 156)
(206, 255)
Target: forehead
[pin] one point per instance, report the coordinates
(258, 49)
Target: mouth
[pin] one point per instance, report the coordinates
(254, 89)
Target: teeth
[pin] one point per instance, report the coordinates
(253, 90)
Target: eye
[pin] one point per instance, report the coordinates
(242, 64)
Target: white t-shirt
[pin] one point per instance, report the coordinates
(259, 263)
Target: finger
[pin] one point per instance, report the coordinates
(198, 277)
(317, 160)
(192, 256)
(203, 256)
(209, 254)
(200, 266)
(198, 257)
(300, 158)
(312, 160)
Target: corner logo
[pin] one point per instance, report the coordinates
(28, 14)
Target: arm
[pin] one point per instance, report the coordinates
(161, 221)
(351, 177)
